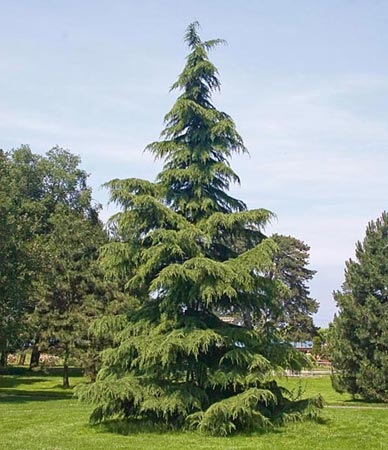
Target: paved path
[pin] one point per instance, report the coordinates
(355, 407)
(307, 373)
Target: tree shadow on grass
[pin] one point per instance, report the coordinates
(133, 426)
(11, 382)
(24, 396)
(50, 371)
(18, 376)
(322, 420)
(362, 402)
(138, 427)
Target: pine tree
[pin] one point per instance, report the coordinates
(358, 337)
(189, 252)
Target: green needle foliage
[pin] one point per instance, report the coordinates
(189, 253)
(198, 140)
(296, 306)
(358, 337)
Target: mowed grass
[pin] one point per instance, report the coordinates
(37, 414)
(310, 386)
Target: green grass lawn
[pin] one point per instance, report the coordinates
(322, 385)
(37, 414)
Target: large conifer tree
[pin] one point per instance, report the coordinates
(190, 252)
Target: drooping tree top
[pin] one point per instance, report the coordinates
(198, 140)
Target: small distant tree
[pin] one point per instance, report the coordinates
(358, 336)
(320, 345)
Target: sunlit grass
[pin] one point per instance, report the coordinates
(37, 414)
(311, 386)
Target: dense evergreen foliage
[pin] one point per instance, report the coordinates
(359, 333)
(190, 253)
(295, 307)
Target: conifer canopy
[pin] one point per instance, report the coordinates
(190, 253)
(358, 336)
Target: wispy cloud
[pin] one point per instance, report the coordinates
(306, 83)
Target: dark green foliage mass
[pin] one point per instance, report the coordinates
(71, 291)
(359, 334)
(295, 307)
(19, 216)
(51, 286)
(189, 253)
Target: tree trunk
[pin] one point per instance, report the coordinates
(66, 383)
(247, 319)
(35, 354)
(22, 358)
(93, 375)
(3, 358)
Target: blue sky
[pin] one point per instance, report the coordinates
(305, 81)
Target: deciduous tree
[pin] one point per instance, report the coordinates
(51, 285)
(19, 172)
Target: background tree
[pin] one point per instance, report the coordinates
(320, 345)
(73, 292)
(59, 185)
(19, 215)
(187, 251)
(295, 308)
(359, 333)
(51, 286)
